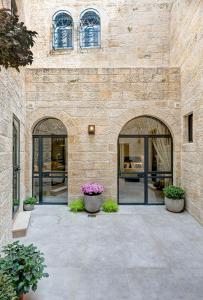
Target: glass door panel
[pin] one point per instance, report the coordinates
(159, 155)
(36, 156)
(131, 190)
(49, 169)
(36, 188)
(155, 189)
(16, 165)
(54, 158)
(54, 190)
(131, 173)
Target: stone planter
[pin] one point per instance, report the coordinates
(93, 203)
(28, 207)
(175, 205)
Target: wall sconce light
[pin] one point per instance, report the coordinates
(91, 129)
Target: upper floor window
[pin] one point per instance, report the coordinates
(90, 29)
(62, 30)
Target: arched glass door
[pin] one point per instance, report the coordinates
(49, 162)
(145, 161)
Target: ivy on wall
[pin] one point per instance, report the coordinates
(16, 41)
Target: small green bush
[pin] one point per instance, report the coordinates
(77, 205)
(7, 290)
(174, 192)
(110, 206)
(30, 201)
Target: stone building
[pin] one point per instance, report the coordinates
(114, 96)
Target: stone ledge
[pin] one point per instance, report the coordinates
(21, 224)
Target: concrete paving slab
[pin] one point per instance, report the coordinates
(139, 253)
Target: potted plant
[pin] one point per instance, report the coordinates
(24, 265)
(29, 203)
(174, 198)
(7, 290)
(92, 197)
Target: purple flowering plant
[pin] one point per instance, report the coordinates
(92, 189)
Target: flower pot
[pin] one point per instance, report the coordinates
(28, 207)
(93, 203)
(21, 297)
(175, 205)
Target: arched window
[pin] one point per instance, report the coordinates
(62, 30)
(90, 29)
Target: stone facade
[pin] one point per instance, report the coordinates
(108, 98)
(12, 101)
(134, 33)
(186, 52)
(149, 63)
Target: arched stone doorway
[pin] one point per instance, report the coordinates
(50, 162)
(145, 161)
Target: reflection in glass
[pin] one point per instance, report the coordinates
(54, 158)
(54, 190)
(155, 189)
(145, 126)
(50, 126)
(131, 190)
(36, 188)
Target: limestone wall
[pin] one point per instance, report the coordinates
(134, 33)
(186, 53)
(12, 101)
(108, 98)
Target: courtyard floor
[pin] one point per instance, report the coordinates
(140, 253)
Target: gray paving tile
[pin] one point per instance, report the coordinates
(141, 253)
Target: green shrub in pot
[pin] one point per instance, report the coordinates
(174, 198)
(29, 203)
(24, 265)
(174, 192)
(7, 290)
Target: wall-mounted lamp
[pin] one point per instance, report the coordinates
(91, 129)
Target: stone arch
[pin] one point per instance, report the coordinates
(168, 117)
(35, 117)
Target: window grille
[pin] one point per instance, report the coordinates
(63, 31)
(90, 30)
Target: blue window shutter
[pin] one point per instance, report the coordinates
(90, 30)
(63, 31)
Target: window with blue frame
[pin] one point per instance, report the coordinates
(90, 30)
(62, 30)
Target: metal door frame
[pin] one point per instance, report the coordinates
(145, 173)
(40, 165)
(16, 168)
